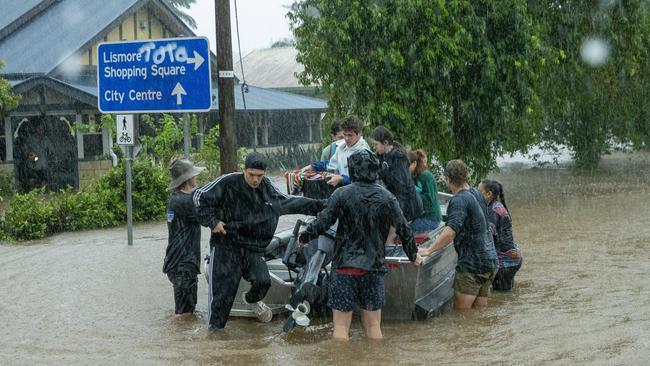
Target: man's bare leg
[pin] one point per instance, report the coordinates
(371, 321)
(463, 301)
(342, 321)
(481, 301)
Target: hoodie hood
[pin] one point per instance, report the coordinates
(363, 166)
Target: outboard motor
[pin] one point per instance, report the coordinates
(310, 286)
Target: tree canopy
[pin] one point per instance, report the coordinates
(477, 79)
(592, 103)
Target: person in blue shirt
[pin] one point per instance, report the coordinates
(336, 169)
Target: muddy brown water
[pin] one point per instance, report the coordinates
(582, 296)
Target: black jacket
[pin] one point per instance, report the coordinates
(184, 231)
(397, 178)
(250, 214)
(365, 212)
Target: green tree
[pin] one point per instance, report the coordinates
(177, 7)
(454, 77)
(8, 100)
(591, 103)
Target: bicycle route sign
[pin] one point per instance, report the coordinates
(125, 129)
(154, 76)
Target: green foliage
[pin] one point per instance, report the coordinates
(28, 216)
(452, 77)
(167, 138)
(149, 186)
(209, 156)
(89, 209)
(102, 204)
(8, 100)
(6, 185)
(589, 107)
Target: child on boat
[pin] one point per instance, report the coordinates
(508, 254)
(395, 172)
(351, 127)
(426, 187)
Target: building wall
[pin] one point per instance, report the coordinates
(89, 171)
(141, 25)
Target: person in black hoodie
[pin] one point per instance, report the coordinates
(242, 210)
(183, 254)
(365, 211)
(395, 172)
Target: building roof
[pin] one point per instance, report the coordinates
(38, 36)
(62, 29)
(271, 68)
(85, 90)
(267, 99)
(9, 14)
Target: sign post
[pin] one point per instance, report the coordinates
(124, 131)
(153, 76)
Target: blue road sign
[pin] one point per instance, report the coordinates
(163, 75)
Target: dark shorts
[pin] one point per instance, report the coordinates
(346, 291)
(185, 290)
(477, 284)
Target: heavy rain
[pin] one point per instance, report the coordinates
(477, 170)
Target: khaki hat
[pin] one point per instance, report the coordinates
(182, 170)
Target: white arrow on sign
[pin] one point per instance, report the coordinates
(179, 92)
(197, 60)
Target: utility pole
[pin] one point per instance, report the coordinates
(226, 88)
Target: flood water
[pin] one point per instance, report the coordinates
(581, 297)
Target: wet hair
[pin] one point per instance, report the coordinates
(457, 172)
(335, 127)
(255, 160)
(352, 123)
(384, 136)
(497, 191)
(420, 157)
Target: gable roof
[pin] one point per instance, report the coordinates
(271, 68)
(56, 33)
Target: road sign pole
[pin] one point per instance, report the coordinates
(129, 206)
(186, 135)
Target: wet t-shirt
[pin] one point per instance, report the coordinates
(184, 243)
(466, 215)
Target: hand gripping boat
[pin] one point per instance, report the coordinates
(299, 278)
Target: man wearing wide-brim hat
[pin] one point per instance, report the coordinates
(242, 210)
(183, 254)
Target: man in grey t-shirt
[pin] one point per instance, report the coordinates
(467, 228)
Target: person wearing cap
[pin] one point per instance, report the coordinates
(365, 211)
(242, 211)
(183, 254)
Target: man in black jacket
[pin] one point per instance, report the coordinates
(242, 210)
(365, 211)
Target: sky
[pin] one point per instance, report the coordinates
(261, 22)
